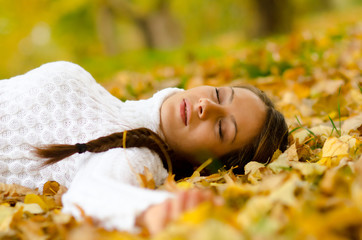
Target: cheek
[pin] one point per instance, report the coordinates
(202, 136)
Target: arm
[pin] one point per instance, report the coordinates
(113, 201)
(105, 189)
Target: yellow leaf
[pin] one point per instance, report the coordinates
(356, 96)
(61, 218)
(6, 216)
(292, 153)
(252, 170)
(308, 169)
(196, 173)
(236, 195)
(285, 193)
(199, 214)
(49, 202)
(184, 185)
(33, 198)
(322, 131)
(352, 123)
(280, 164)
(213, 229)
(302, 91)
(285, 160)
(30, 207)
(333, 151)
(357, 185)
(327, 86)
(358, 169)
(255, 208)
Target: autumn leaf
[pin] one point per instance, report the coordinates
(252, 170)
(312, 190)
(35, 199)
(146, 179)
(335, 149)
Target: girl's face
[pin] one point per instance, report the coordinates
(213, 121)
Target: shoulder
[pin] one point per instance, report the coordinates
(53, 72)
(55, 67)
(62, 65)
(65, 68)
(60, 72)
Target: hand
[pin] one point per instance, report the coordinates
(156, 217)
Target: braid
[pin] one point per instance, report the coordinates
(141, 137)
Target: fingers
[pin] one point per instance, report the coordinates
(192, 200)
(178, 205)
(218, 201)
(158, 216)
(187, 200)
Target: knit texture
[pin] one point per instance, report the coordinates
(60, 102)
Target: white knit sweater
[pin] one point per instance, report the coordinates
(61, 103)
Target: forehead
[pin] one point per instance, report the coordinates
(249, 112)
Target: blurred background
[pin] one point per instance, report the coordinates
(106, 36)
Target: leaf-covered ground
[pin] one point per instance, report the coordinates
(311, 191)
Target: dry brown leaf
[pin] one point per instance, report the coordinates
(321, 131)
(252, 170)
(51, 188)
(291, 198)
(284, 161)
(352, 124)
(14, 191)
(327, 86)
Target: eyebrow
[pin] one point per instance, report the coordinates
(232, 117)
(236, 128)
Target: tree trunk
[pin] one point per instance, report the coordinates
(158, 28)
(106, 30)
(276, 16)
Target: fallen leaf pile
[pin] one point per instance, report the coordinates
(313, 190)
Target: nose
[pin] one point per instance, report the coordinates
(208, 108)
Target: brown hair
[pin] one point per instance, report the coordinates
(140, 137)
(273, 136)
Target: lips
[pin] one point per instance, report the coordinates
(185, 111)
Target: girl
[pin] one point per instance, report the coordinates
(106, 142)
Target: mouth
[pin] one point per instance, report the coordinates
(185, 111)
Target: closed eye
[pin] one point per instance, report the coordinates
(220, 130)
(217, 95)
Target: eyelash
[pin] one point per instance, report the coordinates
(217, 95)
(220, 128)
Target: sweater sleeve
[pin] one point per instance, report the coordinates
(106, 189)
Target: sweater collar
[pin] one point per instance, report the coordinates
(146, 113)
(161, 96)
